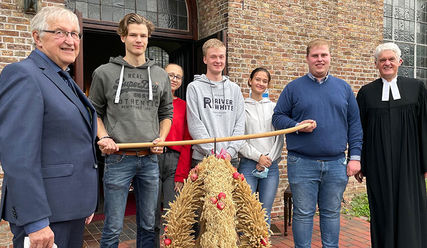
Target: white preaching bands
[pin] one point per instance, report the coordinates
(394, 89)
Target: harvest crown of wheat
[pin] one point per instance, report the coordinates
(217, 197)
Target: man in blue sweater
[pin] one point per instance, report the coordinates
(318, 170)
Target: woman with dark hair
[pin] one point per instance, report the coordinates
(260, 157)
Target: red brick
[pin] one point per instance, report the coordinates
(18, 20)
(9, 33)
(7, 39)
(18, 47)
(7, 53)
(8, 59)
(22, 27)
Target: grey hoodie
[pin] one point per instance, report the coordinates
(132, 112)
(215, 109)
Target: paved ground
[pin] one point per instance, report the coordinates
(92, 234)
(354, 233)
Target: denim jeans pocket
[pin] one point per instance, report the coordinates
(293, 159)
(154, 158)
(113, 159)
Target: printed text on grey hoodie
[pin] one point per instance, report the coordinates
(131, 101)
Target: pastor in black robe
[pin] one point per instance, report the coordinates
(394, 160)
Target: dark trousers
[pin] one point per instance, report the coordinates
(168, 162)
(68, 234)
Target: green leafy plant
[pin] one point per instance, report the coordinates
(359, 206)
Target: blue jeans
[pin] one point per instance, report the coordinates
(267, 187)
(119, 171)
(321, 182)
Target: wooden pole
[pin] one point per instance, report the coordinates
(212, 140)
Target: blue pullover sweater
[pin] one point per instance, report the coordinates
(333, 106)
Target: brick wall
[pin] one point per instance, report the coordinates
(15, 36)
(212, 16)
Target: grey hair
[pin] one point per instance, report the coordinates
(40, 20)
(387, 46)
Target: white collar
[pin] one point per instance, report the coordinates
(394, 89)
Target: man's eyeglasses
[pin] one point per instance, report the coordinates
(172, 76)
(59, 34)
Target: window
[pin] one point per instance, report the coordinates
(169, 14)
(160, 56)
(405, 23)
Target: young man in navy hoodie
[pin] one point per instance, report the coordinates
(318, 170)
(133, 99)
(215, 106)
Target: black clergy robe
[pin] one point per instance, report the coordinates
(394, 160)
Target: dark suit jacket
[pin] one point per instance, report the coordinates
(46, 145)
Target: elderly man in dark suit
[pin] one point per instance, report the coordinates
(47, 136)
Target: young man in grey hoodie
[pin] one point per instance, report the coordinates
(215, 106)
(133, 100)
